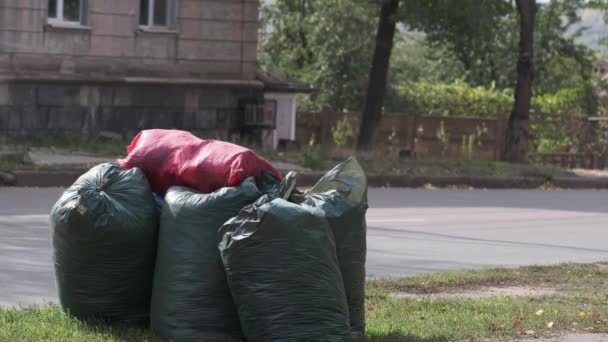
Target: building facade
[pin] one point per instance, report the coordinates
(81, 67)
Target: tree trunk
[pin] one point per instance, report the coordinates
(518, 130)
(376, 87)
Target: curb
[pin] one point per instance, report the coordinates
(46, 179)
(306, 179)
(580, 183)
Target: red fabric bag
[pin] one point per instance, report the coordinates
(172, 157)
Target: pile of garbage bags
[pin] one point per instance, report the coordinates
(203, 240)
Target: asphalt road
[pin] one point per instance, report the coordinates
(410, 232)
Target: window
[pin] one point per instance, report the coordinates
(70, 12)
(157, 13)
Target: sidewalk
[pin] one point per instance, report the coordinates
(42, 178)
(54, 168)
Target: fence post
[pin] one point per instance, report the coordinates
(499, 134)
(411, 134)
(325, 127)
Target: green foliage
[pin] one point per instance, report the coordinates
(456, 99)
(313, 155)
(560, 62)
(602, 6)
(327, 44)
(579, 100)
(444, 137)
(414, 60)
(472, 141)
(480, 33)
(343, 133)
(484, 35)
(461, 99)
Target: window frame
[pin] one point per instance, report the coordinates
(60, 20)
(170, 19)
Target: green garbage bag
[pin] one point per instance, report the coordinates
(341, 194)
(104, 230)
(190, 298)
(283, 273)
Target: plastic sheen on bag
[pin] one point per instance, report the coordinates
(190, 299)
(104, 230)
(281, 265)
(178, 158)
(341, 194)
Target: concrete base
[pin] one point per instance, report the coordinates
(44, 110)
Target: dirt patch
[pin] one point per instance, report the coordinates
(575, 338)
(484, 292)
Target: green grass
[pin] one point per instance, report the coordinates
(20, 161)
(462, 168)
(579, 305)
(73, 143)
(320, 159)
(15, 160)
(316, 158)
(51, 324)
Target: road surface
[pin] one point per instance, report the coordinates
(410, 232)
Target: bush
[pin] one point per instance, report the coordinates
(456, 99)
(461, 99)
(580, 100)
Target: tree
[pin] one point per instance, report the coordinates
(286, 47)
(560, 62)
(518, 130)
(327, 44)
(376, 88)
(482, 34)
(477, 31)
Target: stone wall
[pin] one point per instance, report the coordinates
(83, 109)
(212, 40)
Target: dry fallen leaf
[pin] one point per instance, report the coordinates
(540, 312)
(582, 314)
(530, 332)
(517, 324)
(550, 325)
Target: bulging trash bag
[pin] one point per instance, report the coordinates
(341, 195)
(190, 299)
(178, 158)
(283, 273)
(104, 230)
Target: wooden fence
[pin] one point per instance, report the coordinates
(456, 138)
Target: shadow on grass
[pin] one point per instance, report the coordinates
(124, 334)
(399, 337)
(120, 332)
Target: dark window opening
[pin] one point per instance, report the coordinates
(71, 10)
(67, 11)
(143, 10)
(157, 13)
(52, 8)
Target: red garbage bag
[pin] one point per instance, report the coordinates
(173, 157)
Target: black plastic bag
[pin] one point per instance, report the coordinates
(190, 298)
(342, 196)
(283, 273)
(104, 230)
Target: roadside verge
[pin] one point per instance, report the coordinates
(41, 178)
